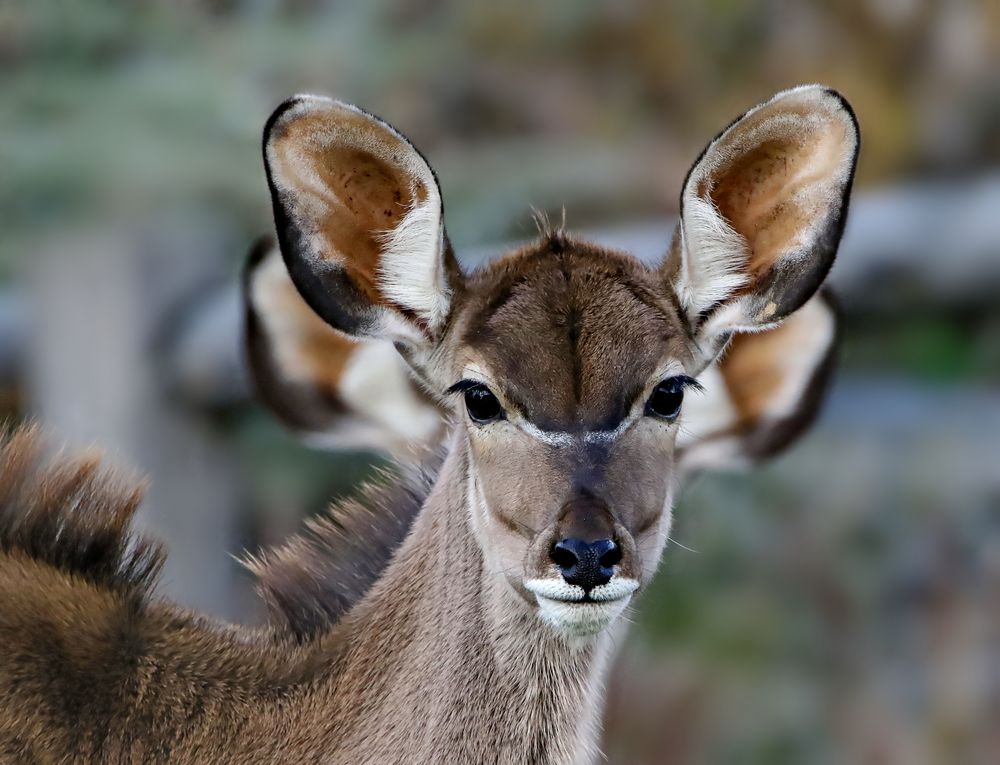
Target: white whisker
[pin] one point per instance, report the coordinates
(683, 547)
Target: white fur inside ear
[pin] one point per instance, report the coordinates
(775, 374)
(713, 255)
(280, 309)
(411, 272)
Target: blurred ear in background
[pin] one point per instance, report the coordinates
(763, 392)
(337, 392)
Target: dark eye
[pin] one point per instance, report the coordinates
(666, 399)
(483, 406)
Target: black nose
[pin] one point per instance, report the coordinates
(587, 564)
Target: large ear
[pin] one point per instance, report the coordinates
(359, 221)
(335, 391)
(762, 212)
(762, 393)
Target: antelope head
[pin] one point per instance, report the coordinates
(570, 372)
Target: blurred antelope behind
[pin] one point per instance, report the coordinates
(468, 611)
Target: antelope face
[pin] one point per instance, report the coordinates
(566, 365)
(569, 380)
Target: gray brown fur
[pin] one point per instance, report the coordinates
(312, 580)
(96, 670)
(97, 546)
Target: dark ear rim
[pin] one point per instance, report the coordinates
(329, 293)
(844, 103)
(327, 388)
(786, 430)
(827, 242)
(297, 405)
(326, 288)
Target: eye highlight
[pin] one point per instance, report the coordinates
(666, 399)
(483, 407)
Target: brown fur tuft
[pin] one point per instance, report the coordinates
(554, 238)
(312, 580)
(73, 516)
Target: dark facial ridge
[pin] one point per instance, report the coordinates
(573, 334)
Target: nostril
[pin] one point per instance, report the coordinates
(612, 557)
(563, 555)
(586, 564)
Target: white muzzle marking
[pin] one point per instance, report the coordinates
(564, 607)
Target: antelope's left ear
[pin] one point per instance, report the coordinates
(762, 393)
(359, 220)
(762, 212)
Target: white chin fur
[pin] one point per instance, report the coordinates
(560, 606)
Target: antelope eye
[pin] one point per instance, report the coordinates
(481, 404)
(666, 399)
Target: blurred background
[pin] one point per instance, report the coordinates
(841, 604)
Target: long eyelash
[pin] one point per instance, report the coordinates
(690, 382)
(462, 385)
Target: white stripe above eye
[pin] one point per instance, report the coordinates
(564, 438)
(551, 437)
(473, 371)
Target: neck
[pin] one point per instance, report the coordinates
(446, 644)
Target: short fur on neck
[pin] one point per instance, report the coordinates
(313, 579)
(96, 669)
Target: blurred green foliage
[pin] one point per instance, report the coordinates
(937, 347)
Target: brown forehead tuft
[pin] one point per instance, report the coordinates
(492, 285)
(574, 330)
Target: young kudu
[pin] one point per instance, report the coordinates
(466, 613)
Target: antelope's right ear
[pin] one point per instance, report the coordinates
(762, 212)
(359, 220)
(333, 390)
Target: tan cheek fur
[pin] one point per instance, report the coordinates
(522, 483)
(522, 490)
